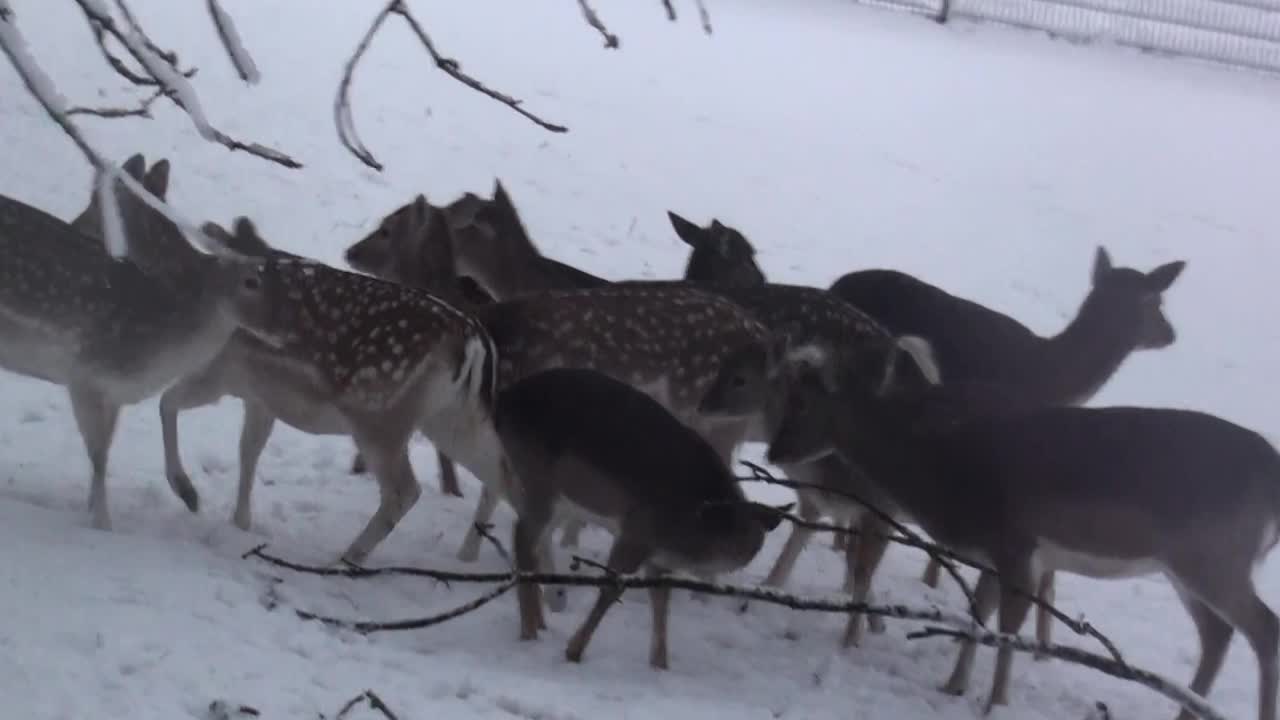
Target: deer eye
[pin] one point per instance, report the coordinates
(251, 282)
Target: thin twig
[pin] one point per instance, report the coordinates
(374, 701)
(1108, 666)
(671, 10)
(368, 627)
(100, 36)
(944, 557)
(589, 14)
(143, 109)
(485, 532)
(908, 537)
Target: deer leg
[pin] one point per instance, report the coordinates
(660, 604)
(448, 475)
(204, 387)
(470, 549)
(985, 595)
(570, 531)
(557, 597)
(255, 429)
(1215, 637)
(527, 536)
(1044, 618)
(1014, 607)
(625, 557)
(397, 489)
(932, 573)
(808, 510)
(358, 465)
(96, 418)
(840, 542)
(862, 558)
(1229, 591)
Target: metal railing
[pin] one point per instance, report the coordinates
(1244, 33)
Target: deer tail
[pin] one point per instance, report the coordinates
(477, 372)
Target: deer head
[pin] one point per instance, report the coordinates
(410, 246)
(721, 255)
(1130, 301)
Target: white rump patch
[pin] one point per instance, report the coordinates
(812, 355)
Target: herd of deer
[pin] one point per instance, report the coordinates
(578, 399)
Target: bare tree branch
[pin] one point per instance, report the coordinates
(943, 555)
(160, 67)
(143, 109)
(342, 103)
(240, 58)
(589, 14)
(1108, 666)
(671, 10)
(368, 627)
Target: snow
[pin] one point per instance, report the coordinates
(987, 160)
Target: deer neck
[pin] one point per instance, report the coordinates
(1074, 364)
(520, 270)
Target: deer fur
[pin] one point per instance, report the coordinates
(1109, 492)
(1122, 313)
(581, 438)
(336, 353)
(112, 331)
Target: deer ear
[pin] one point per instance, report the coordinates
(420, 211)
(157, 179)
(1101, 264)
(217, 232)
(1162, 277)
(693, 235)
(136, 165)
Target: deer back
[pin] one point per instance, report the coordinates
(669, 340)
(614, 452)
(367, 341)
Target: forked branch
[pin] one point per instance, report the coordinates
(593, 19)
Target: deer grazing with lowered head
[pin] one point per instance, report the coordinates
(113, 331)
(580, 438)
(1122, 313)
(1109, 492)
(331, 352)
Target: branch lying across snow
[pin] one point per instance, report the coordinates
(143, 109)
(347, 134)
(941, 623)
(1108, 666)
(160, 68)
(370, 697)
(944, 556)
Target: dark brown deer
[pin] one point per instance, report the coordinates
(582, 438)
(720, 255)
(112, 331)
(1121, 313)
(336, 353)
(1101, 492)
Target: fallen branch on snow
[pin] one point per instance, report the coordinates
(370, 697)
(589, 14)
(1108, 666)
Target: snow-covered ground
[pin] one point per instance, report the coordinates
(987, 160)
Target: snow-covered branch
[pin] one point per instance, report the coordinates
(161, 68)
(240, 58)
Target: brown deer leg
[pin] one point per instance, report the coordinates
(96, 418)
(624, 558)
(1215, 637)
(1014, 607)
(840, 542)
(196, 390)
(660, 603)
(1044, 618)
(527, 535)
(986, 595)
(255, 429)
(470, 549)
(397, 488)
(808, 510)
(932, 573)
(862, 559)
(448, 475)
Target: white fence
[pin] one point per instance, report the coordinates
(1244, 33)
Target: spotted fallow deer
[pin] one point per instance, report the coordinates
(112, 331)
(1109, 492)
